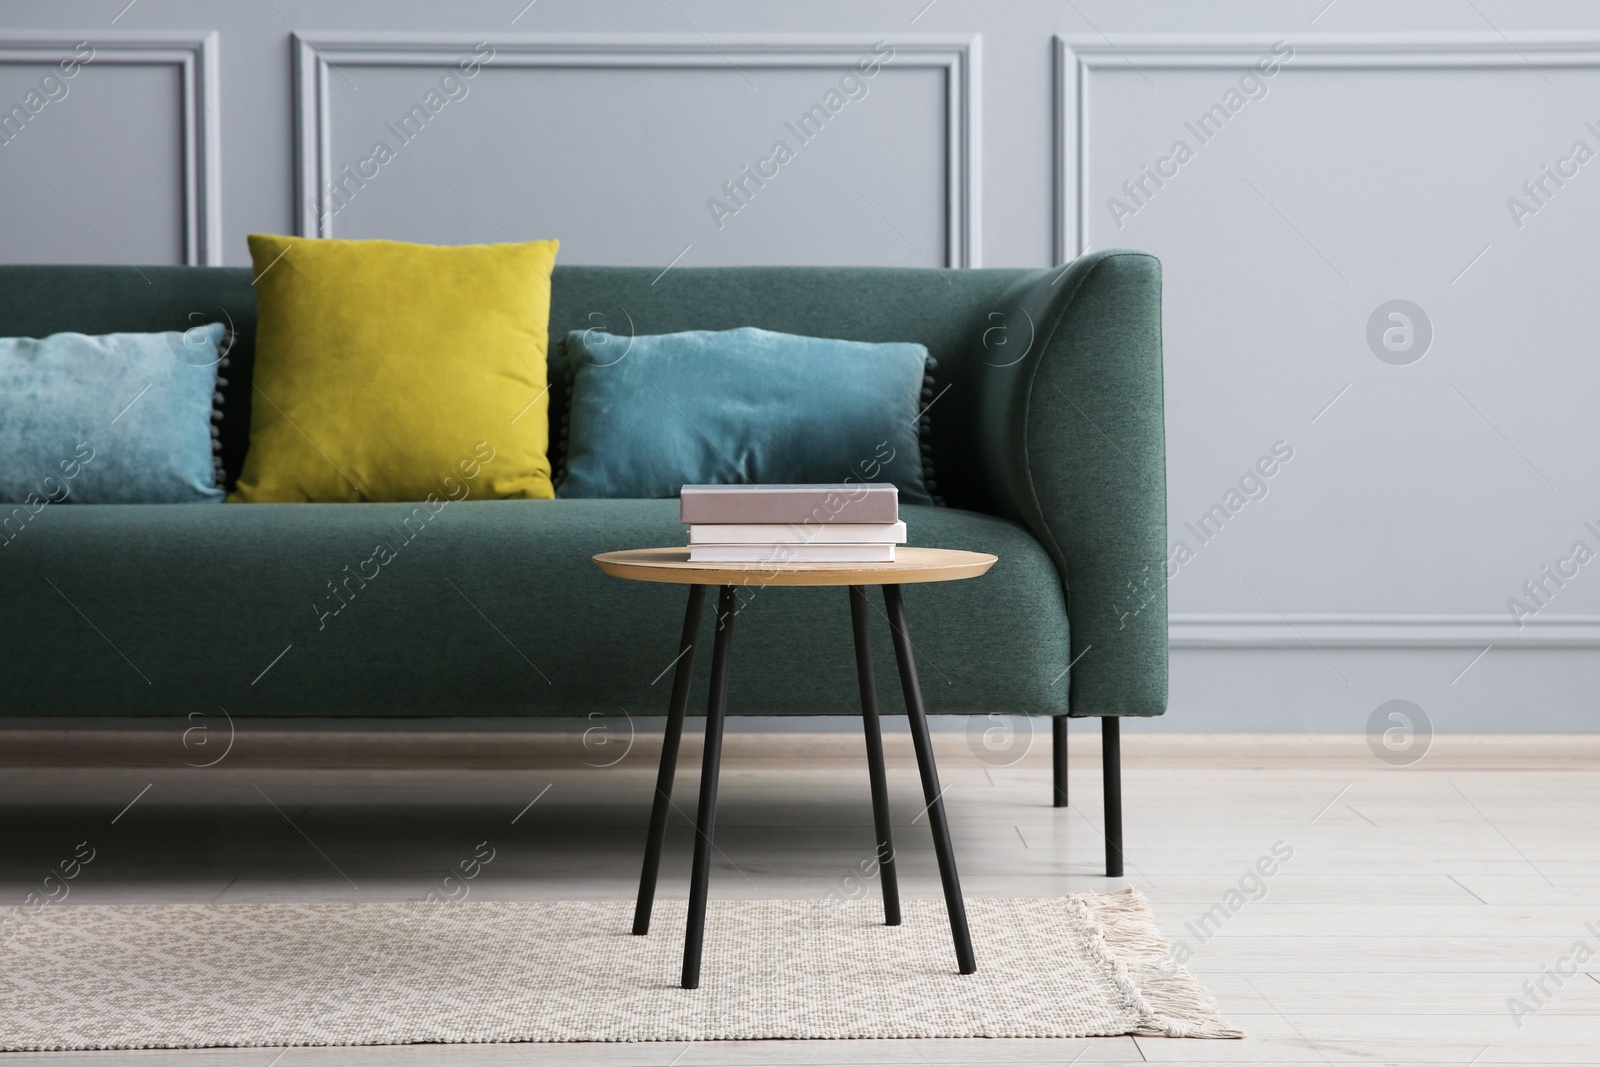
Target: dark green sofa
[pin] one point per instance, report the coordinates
(1047, 444)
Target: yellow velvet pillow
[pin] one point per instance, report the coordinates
(389, 371)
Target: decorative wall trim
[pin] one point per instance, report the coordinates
(317, 57)
(1308, 632)
(196, 57)
(1077, 58)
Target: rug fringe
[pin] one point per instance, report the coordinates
(1170, 1001)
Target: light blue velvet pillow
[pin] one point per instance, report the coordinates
(123, 418)
(651, 414)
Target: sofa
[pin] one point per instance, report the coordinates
(1046, 445)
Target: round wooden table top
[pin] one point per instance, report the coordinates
(910, 565)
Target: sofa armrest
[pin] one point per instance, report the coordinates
(1073, 446)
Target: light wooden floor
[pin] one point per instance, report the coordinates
(1416, 903)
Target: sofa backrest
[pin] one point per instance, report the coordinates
(957, 314)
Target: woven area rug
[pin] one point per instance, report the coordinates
(189, 976)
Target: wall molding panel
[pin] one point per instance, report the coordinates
(196, 57)
(318, 58)
(1308, 631)
(1077, 58)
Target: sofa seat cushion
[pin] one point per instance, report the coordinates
(477, 609)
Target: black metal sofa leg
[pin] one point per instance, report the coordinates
(1111, 773)
(1058, 758)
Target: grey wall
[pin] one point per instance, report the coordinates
(1375, 164)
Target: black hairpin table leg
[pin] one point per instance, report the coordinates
(875, 773)
(706, 818)
(930, 779)
(669, 759)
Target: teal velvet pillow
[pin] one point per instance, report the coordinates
(123, 418)
(651, 414)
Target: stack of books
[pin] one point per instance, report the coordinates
(845, 523)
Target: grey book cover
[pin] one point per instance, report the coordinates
(822, 503)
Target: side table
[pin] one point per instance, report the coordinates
(911, 565)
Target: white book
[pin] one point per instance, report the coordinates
(780, 554)
(762, 533)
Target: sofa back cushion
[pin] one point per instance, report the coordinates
(956, 314)
(36, 301)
